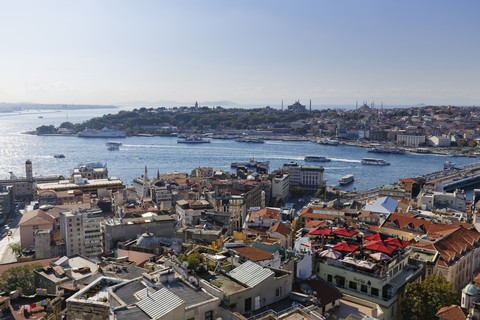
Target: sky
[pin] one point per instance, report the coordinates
(249, 52)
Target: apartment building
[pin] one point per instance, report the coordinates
(82, 232)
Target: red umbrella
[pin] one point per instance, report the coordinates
(342, 246)
(380, 246)
(374, 237)
(320, 231)
(397, 242)
(344, 232)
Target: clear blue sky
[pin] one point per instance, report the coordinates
(248, 51)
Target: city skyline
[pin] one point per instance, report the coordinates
(248, 52)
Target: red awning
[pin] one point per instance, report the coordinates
(344, 232)
(375, 237)
(380, 247)
(342, 246)
(397, 242)
(320, 231)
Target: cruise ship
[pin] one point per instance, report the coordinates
(375, 162)
(316, 159)
(346, 179)
(193, 139)
(250, 163)
(381, 149)
(104, 133)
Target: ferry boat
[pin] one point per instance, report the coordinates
(330, 142)
(193, 140)
(250, 163)
(104, 133)
(248, 140)
(316, 159)
(381, 149)
(346, 179)
(375, 162)
(113, 146)
(58, 156)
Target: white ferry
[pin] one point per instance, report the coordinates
(113, 146)
(346, 179)
(250, 163)
(104, 133)
(375, 162)
(316, 159)
(193, 139)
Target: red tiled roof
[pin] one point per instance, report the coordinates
(265, 213)
(456, 244)
(407, 222)
(410, 180)
(253, 253)
(452, 312)
(280, 228)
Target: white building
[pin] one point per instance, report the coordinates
(281, 186)
(410, 140)
(441, 200)
(82, 232)
(439, 141)
(310, 177)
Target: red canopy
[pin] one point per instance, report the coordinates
(380, 247)
(320, 231)
(342, 246)
(344, 232)
(374, 237)
(397, 242)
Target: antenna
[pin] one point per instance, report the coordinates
(282, 104)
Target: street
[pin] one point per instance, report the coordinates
(6, 253)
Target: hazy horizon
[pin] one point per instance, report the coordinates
(254, 53)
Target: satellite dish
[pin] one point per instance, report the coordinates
(185, 264)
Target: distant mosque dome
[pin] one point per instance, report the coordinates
(147, 240)
(471, 289)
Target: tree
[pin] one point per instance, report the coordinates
(424, 299)
(20, 277)
(297, 191)
(472, 143)
(16, 248)
(321, 192)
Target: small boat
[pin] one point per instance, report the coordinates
(375, 162)
(249, 140)
(40, 117)
(316, 159)
(193, 140)
(346, 179)
(58, 156)
(113, 146)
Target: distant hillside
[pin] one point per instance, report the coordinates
(14, 107)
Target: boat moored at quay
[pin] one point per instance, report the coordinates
(104, 133)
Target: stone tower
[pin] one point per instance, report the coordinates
(28, 170)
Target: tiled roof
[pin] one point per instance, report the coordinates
(265, 213)
(452, 312)
(280, 228)
(160, 303)
(456, 244)
(253, 253)
(407, 222)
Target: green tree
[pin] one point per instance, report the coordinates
(297, 191)
(321, 192)
(472, 143)
(424, 299)
(16, 248)
(20, 277)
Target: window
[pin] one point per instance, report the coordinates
(329, 278)
(374, 291)
(278, 292)
(353, 285)
(364, 288)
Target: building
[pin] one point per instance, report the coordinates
(244, 288)
(297, 107)
(281, 186)
(23, 186)
(7, 204)
(257, 255)
(429, 200)
(310, 177)
(81, 231)
(439, 141)
(91, 171)
(410, 140)
(83, 184)
(117, 230)
(31, 222)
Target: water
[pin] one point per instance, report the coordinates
(165, 155)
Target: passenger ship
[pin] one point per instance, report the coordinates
(375, 162)
(346, 179)
(316, 159)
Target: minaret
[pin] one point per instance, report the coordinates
(146, 183)
(282, 104)
(310, 104)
